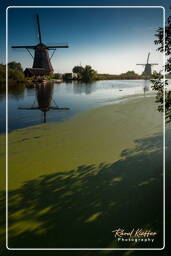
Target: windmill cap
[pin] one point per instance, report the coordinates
(41, 46)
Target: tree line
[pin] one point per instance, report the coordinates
(15, 75)
(87, 74)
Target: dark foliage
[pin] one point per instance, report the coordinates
(15, 75)
(128, 75)
(15, 66)
(85, 73)
(159, 83)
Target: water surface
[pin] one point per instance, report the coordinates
(42, 103)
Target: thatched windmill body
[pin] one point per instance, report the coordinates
(147, 70)
(41, 59)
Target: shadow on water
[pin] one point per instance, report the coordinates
(80, 208)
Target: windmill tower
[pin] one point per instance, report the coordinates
(147, 69)
(41, 60)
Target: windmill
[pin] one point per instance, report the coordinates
(147, 69)
(44, 93)
(41, 60)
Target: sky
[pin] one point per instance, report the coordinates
(111, 40)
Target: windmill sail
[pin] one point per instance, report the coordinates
(24, 46)
(148, 57)
(38, 25)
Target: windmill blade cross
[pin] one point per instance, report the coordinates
(57, 46)
(25, 46)
(31, 108)
(29, 53)
(54, 50)
(59, 108)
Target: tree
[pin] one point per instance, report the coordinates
(159, 84)
(85, 73)
(2, 75)
(15, 75)
(129, 75)
(15, 66)
(78, 70)
(88, 74)
(67, 76)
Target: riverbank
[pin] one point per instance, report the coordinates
(89, 175)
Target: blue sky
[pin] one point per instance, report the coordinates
(111, 40)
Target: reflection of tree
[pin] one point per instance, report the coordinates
(81, 207)
(2, 95)
(15, 91)
(83, 88)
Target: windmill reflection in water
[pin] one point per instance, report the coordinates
(44, 97)
(146, 87)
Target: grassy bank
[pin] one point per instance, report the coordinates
(72, 183)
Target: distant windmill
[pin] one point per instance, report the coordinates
(147, 69)
(41, 60)
(44, 94)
